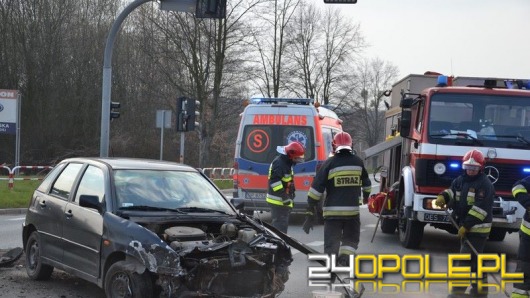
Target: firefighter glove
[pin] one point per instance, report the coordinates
(462, 232)
(440, 201)
(309, 222)
(287, 199)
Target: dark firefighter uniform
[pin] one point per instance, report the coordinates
(281, 191)
(343, 177)
(471, 198)
(520, 192)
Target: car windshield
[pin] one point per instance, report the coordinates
(157, 189)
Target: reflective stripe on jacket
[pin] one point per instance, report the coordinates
(344, 178)
(472, 201)
(280, 175)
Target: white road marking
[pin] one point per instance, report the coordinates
(17, 218)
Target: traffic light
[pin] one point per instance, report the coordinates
(181, 112)
(192, 114)
(113, 110)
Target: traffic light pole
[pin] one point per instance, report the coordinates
(182, 147)
(107, 77)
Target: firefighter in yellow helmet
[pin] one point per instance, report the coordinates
(471, 198)
(280, 194)
(520, 192)
(345, 181)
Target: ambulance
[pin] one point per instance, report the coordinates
(270, 122)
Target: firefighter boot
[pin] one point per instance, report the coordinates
(458, 292)
(478, 289)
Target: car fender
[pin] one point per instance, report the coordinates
(408, 186)
(140, 244)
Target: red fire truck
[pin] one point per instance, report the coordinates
(432, 122)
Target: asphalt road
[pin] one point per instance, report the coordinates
(437, 244)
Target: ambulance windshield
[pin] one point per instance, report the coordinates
(259, 142)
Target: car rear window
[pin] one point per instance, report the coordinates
(260, 141)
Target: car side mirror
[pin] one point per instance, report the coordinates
(90, 201)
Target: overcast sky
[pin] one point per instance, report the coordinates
(484, 38)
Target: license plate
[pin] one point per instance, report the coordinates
(435, 217)
(255, 195)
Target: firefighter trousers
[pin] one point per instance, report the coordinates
(522, 290)
(341, 235)
(478, 241)
(280, 217)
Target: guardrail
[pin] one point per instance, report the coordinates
(212, 173)
(11, 173)
(219, 173)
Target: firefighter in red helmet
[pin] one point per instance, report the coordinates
(280, 194)
(471, 198)
(345, 181)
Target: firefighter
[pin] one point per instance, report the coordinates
(343, 178)
(520, 192)
(280, 194)
(471, 198)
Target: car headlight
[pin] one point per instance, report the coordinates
(439, 168)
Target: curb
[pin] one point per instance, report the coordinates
(13, 211)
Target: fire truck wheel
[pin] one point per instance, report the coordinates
(410, 232)
(497, 234)
(388, 225)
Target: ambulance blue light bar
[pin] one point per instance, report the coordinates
(526, 170)
(298, 101)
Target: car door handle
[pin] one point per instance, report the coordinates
(68, 214)
(42, 203)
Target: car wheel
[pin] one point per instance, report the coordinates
(388, 225)
(410, 231)
(34, 267)
(122, 282)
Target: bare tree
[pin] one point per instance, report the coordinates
(375, 76)
(343, 43)
(304, 54)
(270, 42)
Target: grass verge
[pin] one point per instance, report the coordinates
(20, 195)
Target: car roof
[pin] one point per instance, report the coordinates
(117, 163)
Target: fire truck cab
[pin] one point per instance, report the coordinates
(270, 122)
(429, 132)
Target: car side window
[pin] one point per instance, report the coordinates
(63, 185)
(92, 183)
(45, 184)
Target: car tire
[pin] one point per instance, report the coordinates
(121, 282)
(388, 225)
(35, 269)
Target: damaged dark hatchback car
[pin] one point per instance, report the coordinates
(147, 228)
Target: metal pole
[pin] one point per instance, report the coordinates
(19, 124)
(162, 134)
(182, 147)
(107, 77)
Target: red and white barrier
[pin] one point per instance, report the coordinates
(218, 173)
(11, 177)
